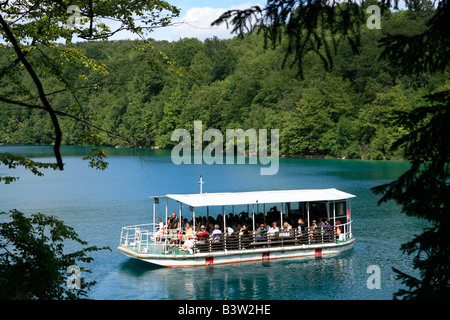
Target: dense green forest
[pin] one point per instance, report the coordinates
(235, 83)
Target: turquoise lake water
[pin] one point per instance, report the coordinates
(99, 203)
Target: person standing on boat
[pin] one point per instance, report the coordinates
(160, 232)
(174, 224)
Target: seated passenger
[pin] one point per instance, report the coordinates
(286, 226)
(339, 233)
(187, 245)
(261, 232)
(299, 227)
(216, 234)
(327, 227)
(188, 232)
(202, 234)
(244, 231)
(229, 231)
(273, 229)
(313, 230)
(321, 224)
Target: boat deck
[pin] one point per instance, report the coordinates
(141, 241)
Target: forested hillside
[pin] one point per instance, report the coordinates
(235, 83)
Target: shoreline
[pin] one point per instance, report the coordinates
(312, 157)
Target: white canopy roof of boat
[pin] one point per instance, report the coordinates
(258, 197)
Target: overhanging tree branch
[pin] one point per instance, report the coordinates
(40, 89)
(68, 115)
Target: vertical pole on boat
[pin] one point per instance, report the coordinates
(201, 184)
(309, 222)
(154, 209)
(179, 221)
(349, 208)
(224, 228)
(224, 219)
(193, 219)
(253, 214)
(328, 211)
(307, 212)
(334, 212)
(281, 214)
(165, 222)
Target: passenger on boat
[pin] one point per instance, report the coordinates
(313, 230)
(327, 227)
(210, 228)
(173, 227)
(160, 231)
(229, 231)
(245, 234)
(286, 226)
(188, 232)
(244, 231)
(299, 227)
(273, 229)
(217, 233)
(301, 223)
(339, 230)
(321, 224)
(261, 232)
(202, 234)
(188, 244)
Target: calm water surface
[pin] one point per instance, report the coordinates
(99, 203)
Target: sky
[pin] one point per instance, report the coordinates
(197, 16)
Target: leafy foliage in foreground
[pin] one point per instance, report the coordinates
(424, 192)
(33, 263)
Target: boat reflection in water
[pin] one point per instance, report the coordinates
(285, 279)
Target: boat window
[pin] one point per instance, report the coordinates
(318, 210)
(341, 207)
(294, 207)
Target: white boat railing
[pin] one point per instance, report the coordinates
(140, 237)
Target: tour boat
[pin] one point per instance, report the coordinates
(155, 244)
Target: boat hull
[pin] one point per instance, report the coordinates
(240, 256)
